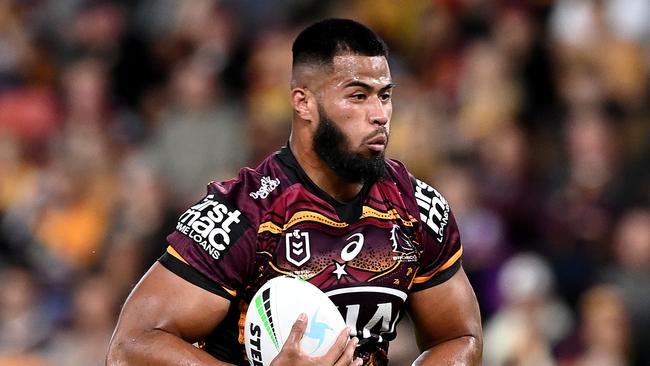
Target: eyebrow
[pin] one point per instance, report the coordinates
(366, 86)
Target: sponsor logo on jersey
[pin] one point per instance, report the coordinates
(402, 246)
(297, 247)
(210, 224)
(434, 209)
(268, 185)
(353, 247)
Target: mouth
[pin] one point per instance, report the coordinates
(378, 143)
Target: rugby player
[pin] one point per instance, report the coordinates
(328, 207)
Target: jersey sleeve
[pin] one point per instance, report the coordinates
(212, 245)
(440, 238)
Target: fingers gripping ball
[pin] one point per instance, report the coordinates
(275, 308)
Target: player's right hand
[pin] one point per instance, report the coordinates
(340, 354)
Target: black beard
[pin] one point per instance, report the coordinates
(330, 145)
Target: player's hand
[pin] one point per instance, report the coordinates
(341, 353)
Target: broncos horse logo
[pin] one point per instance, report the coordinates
(400, 242)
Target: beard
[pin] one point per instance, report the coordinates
(330, 144)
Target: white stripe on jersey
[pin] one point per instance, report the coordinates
(386, 290)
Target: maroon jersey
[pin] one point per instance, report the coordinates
(396, 237)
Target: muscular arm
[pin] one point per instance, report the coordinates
(447, 323)
(161, 318)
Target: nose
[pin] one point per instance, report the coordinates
(379, 112)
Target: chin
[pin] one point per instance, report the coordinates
(372, 154)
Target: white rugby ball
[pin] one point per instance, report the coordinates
(275, 308)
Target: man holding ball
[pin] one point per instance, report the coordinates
(329, 207)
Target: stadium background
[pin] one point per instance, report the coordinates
(530, 116)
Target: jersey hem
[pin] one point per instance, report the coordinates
(439, 278)
(193, 276)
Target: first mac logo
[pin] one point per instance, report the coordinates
(208, 223)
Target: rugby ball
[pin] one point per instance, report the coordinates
(275, 308)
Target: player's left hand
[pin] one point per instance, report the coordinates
(340, 354)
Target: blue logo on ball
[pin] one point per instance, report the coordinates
(317, 330)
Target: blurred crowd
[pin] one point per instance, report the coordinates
(531, 117)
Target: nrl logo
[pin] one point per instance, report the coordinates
(297, 247)
(268, 185)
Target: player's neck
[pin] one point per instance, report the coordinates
(323, 176)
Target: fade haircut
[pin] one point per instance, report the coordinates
(321, 41)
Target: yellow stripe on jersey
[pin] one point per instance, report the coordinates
(232, 293)
(279, 270)
(298, 217)
(175, 254)
(447, 264)
(269, 226)
(390, 215)
(302, 216)
(243, 309)
(382, 274)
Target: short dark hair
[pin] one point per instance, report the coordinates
(321, 41)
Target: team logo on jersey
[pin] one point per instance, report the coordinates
(297, 247)
(402, 245)
(434, 209)
(211, 224)
(268, 185)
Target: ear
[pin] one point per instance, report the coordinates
(300, 99)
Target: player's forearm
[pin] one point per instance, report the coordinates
(156, 347)
(466, 350)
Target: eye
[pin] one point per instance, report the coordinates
(385, 97)
(359, 97)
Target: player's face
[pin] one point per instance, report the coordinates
(354, 117)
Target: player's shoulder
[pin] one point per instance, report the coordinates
(399, 173)
(253, 190)
(402, 177)
(432, 206)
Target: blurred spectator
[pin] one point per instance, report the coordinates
(489, 96)
(576, 22)
(139, 227)
(85, 340)
(23, 324)
(483, 233)
(30, 115)
(69, 210)
(421, 121)
(201, 136)
(17, 185)
(268, 73)
(507, 184)
(603, 330)
(631, 275)
(582, 209)
(531, 320)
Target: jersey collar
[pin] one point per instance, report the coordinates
(347, 211)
